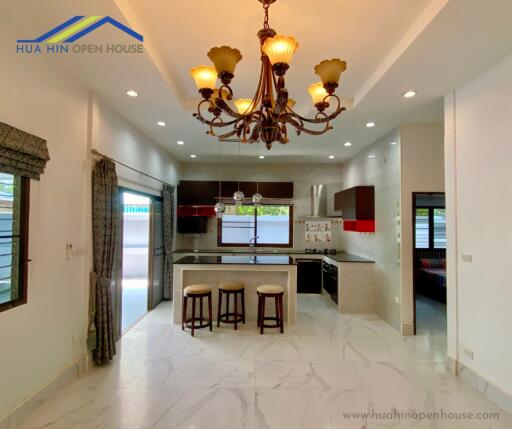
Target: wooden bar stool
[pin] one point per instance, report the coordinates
(228, 289)
(196, 292)
(270, 291)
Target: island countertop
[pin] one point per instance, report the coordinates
(236, 260)
(339, 256)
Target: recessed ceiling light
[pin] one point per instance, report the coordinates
(348, 144)
(393, 143)
(370, 124)
(261, 157)
(161, 123)
(132, 93)
(409, 94)
(193, 156)
(331, 156)
(180, 142)
(371, 156)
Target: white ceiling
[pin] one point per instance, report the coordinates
(391, 46)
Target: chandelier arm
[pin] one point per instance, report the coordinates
(302, 129)
(317, 120)
(226, 135)
(215, 122)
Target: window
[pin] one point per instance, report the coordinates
(14, 193)
(430, 228)
(263, 226)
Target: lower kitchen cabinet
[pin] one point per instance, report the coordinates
(309, 275)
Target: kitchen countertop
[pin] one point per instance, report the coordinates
(340, 256)
(236, 260)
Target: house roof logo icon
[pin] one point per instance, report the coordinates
(78, 27)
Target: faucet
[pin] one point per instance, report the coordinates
(252, 241)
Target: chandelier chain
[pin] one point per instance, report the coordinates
(266, 6)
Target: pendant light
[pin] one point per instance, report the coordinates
(257, 197)
(238, 196)
(220, 208)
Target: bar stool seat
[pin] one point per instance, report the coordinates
(232, 286)
(196, 293)
(196, 289)
(270, 291)
(231, 289)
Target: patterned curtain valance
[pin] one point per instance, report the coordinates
(22, 153)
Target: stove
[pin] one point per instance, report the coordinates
(310, 251)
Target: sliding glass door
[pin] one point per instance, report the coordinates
(139, 258)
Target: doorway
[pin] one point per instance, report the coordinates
(139, 258)
(429, 259)
(135, 258)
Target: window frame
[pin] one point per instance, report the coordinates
(430, 227)
(256, 244)
(23, 257)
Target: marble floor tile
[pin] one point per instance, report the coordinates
(327, 371)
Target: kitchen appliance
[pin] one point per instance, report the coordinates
(330, 280)
(319, 201)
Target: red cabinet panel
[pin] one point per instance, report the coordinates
(206, 211)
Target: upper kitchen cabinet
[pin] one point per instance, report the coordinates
(194, 193)
(358, 208)
(203, 193)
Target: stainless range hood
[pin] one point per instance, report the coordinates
(319, 203)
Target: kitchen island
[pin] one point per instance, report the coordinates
(349, 280)
(253, 270)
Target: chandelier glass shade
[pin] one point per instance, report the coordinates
(266, 116)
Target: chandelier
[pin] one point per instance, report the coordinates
(264, 117)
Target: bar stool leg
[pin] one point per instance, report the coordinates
(259, 310)
(210, 311)
(243, 306)
(183, 312)
(236, 310)
(227, 306)
(219, 307)
(276, 301)
(281, 315)
(193, 314)
(262, 313)
(201, 310)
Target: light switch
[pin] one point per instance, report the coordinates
(467, 258)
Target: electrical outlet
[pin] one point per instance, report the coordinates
(397, 300)
(467, 258)
(468, 353)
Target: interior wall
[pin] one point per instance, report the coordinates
(47, 336)
(383, 172)
(479, 203)
(422, 165)
(302, 175)
(114, 136)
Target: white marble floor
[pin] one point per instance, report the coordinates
(325, 366)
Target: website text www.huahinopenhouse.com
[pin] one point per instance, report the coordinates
(440, 414)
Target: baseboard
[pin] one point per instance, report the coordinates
(452, 365)
(494, 393)
(32, 403)
(407, 329)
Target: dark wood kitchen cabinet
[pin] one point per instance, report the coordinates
(200, 193)
(197, 193)
(357, 207)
